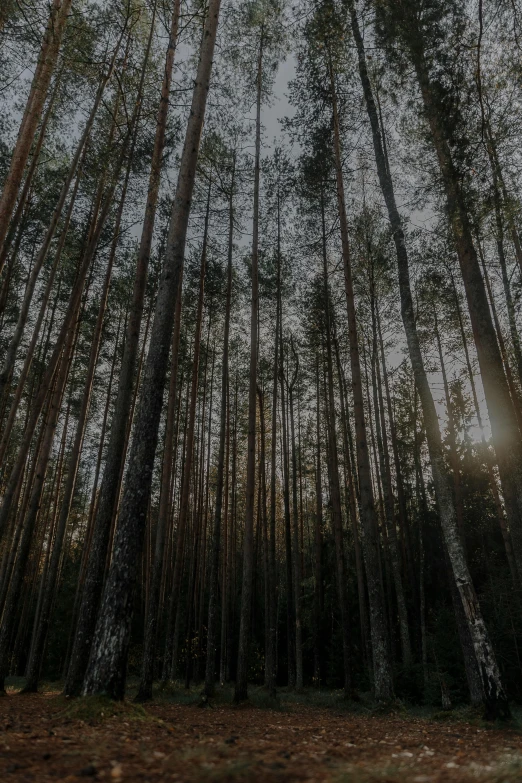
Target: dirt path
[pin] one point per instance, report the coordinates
(184, 743)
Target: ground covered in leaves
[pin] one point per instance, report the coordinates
(43, 737)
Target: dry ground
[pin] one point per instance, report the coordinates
(44, 738)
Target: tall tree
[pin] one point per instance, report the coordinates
(109, 489)
(494, 694)
(107, 666)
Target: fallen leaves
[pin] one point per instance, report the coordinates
(39, 742)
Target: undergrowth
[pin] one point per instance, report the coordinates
(94, 709)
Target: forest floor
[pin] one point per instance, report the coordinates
(43, 738)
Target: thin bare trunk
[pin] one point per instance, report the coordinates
(40, 85)
(216, 532)
(495, 698)
(240, 692)
(382, 670)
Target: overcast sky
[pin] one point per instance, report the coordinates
(279, 107)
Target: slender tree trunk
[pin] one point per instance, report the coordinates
(515, 396)
(53, 504)
(226, 554)
(40, 630)
(454, 457)
(7, 429)
(382, 532)
(174, 606)
(14, 343)
(403, 513)
(383, 679)
(422, 604)
(33, 506)
(510, 305)
(110, 485)
(240, 692)
(501, 407)
(153, 603)
(295, 537)
(318, 543)
(271, 649)
(333, 473)
(290, 602)
(216, 532)
(495, 698)
(63, 342)
(40, 85)
(506, 537)
(389, 515)
(25, 195)
(87, 540)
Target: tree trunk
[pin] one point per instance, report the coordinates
(403, 513)
(226, 554)
(495, 698)
(318, 543)
(173, 619)
(389, 503)
(506, 537)
(87, 539)
(510, 305)
(24, 198)
(11, 606)
(501, 409)
(153, 603)
(295, 536)
(333, 473)
(14, 343)
(216, 532)
(271, 649)
(240, 692)
(64, 338)
(110, 486)
(382, 670)
(40, 85)
(454, 457)
(515, 396)
(7, 429)
(41, 627)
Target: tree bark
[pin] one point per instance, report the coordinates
(173, 619)
(106, 672)
(295, 535)
(333, 472)
(506, 537)
(14, 343)
(382, 670)
(501, 407)
(389, 503)
(290, 602)
(33, 110)
(41, 627)
(271, 649)
(110, 485)
(318, 543)
(24, 198)
(29, 522)
(218, 502)
(240, 691)
(8, 427)
(494, 694)
(63, 340)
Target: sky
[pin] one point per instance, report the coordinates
(280, 107)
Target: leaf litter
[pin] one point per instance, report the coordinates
(44, 738)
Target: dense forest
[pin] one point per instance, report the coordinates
(261, 395)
